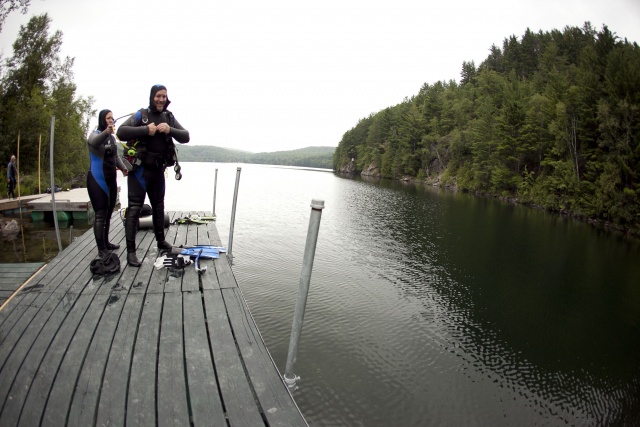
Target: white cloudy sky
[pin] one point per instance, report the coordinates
(269, 75)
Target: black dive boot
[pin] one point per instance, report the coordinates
(107, 226)
(163, 245)
(98, 232)
(130, 230)
(133, 260)
(158, 228)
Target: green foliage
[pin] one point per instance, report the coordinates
(551, 118)
(8, 6)
(36, 84)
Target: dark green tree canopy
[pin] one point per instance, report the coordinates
(550, 119)
(36, 84)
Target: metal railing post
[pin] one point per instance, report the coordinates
(53, 186)
(303, 290)
(215, 186)
(233, 213)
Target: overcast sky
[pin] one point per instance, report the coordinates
(270, 75)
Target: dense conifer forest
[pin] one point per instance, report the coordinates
(549, 119)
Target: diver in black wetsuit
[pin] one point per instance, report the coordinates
(101, 179)
(155, 148)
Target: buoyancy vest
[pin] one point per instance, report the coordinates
(136, 153)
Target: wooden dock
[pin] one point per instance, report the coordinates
(12, 276)
(75, 200)
(141, 347)
(13, 207)
(69, 203)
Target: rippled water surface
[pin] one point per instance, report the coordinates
(429, 307)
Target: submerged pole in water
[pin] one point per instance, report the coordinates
(215, 185)
(53, 186)
(303, 290)
(233, 213)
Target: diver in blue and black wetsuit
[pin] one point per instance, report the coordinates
(101, 179)
(155, 134)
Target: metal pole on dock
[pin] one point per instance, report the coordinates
(18, 177)
(215, 186)
(233, 213)
(53, 187)
(18, 180)
(303, 290)
(39, 145)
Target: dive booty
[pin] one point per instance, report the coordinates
(133, 260)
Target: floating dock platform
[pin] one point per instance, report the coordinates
(144, 346)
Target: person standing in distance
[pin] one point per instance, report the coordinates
(101, 180)
(154, 129)
(12, 174)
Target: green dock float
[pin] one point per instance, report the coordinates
(83, 215)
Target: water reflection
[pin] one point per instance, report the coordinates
(431, 307)
(536, 303)
(35, 241)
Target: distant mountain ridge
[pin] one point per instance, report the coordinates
(315, 157)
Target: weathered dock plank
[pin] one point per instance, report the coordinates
(276, 404)
(141, 408)
(144, 346)
(173, 407)
(87, 391)
(203, 390)
(112, 398)
(12, 276)
(231, 374)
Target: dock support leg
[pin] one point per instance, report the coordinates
(303, 290)
(233, 215)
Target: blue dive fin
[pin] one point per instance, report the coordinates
(218, 248)
(203, 252)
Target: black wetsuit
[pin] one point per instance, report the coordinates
(148, 179)
(101, 179)
(12, 173)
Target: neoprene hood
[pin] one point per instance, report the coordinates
(154, 90)
(102, 121)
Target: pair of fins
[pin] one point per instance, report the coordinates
(199, 251)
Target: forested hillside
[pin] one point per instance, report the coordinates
(550, 119)
(315, 157)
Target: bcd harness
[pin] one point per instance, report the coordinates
(135, 153)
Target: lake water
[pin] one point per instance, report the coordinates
(430, 307)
